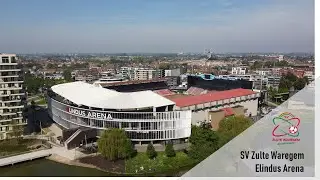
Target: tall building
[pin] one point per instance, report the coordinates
(12, 96)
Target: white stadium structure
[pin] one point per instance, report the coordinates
(144, 115)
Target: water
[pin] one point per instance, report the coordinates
(44, 167)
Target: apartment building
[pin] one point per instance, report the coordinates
(141, 73)
(263, 72)
(239, 70)
(274, 81)
(12, 96)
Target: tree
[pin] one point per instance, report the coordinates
(306, 80)
(130, 152)
(299, 84)
(164, 66)
(67, 75)
(113, 144)
(291, 77)
(285, 83)
(169, 150)
(151, 152)
(204, 142)
(231, 127)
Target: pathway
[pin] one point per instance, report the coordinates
(25, 157)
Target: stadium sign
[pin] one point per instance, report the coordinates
(90, 114)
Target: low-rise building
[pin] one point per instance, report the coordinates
(202, 104)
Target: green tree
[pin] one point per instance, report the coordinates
(204, 142)
(151, 152)
(285, 83)
(299, 84)
(231, 127)
(164, 66)
(291, 77)
(170, 150)
(130, 152)
(306, 80)
(112, 144)
(67, 75)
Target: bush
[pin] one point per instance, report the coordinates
(169, 150)
(130, 152)
(151, 152)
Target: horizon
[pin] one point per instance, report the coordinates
(163, 27)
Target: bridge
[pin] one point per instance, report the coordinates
(25, 157)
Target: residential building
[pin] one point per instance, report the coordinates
(172, 72)
(239, 70)
(274, 81)
(12, 96)
(141, 73)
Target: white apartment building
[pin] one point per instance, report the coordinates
(280, 58)
(263, 72)
(239, 70)
(248, 77)
(140, 73)
(172, 72)
(274, 81)
(11, 95)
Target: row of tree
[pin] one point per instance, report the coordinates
(35, 83)
(114, 144)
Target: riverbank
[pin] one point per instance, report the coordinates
(128, 167)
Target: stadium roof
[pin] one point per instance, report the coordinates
(82, 93)
(123, 83)
(210, 97)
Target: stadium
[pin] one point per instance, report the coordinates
(147, 110)
(144, 115)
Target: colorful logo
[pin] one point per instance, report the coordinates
(286, 128)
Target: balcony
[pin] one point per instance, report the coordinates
(14, 81)
(9, 70)
(10, 76)
(7, 95)
(11, 88)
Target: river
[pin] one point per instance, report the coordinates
(44, 167)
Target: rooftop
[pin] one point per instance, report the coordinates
(210, 97)
(82, 93)
(132, 82)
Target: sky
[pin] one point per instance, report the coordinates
(156, 26)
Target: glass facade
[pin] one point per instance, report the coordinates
(139, 126)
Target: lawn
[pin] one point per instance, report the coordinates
(142, 164)
(42, 101)
(15, 146)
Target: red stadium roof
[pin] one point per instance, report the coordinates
(209, 97)
(164, 92)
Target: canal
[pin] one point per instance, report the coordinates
(44, 167)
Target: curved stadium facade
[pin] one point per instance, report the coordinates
(145, 115)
